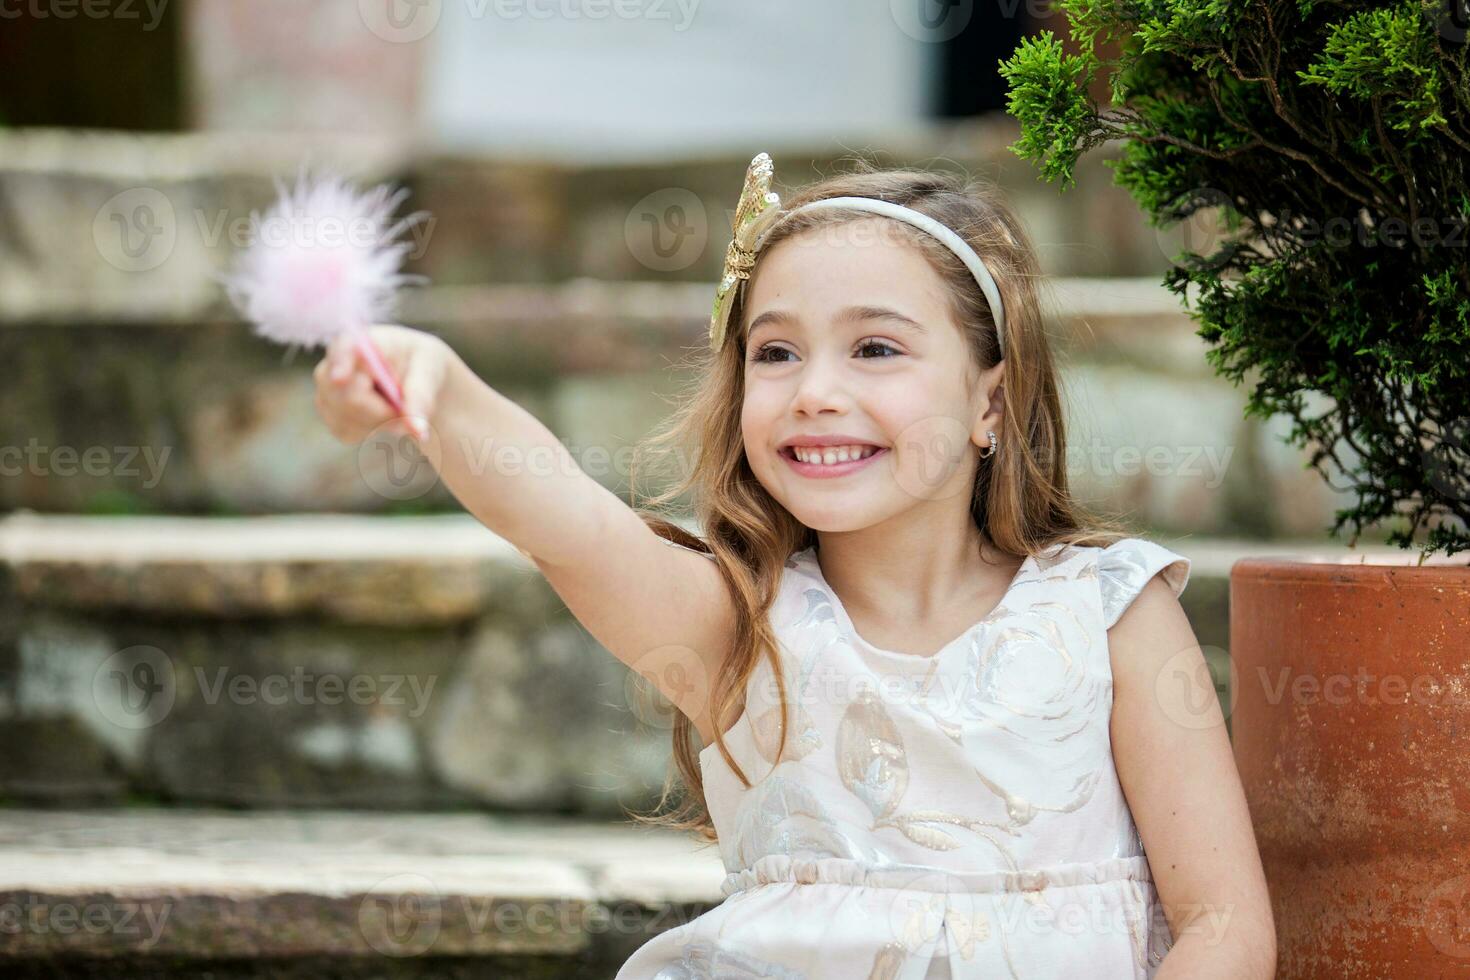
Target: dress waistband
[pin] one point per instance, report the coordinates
(773, 869)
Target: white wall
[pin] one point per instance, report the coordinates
(681, 77)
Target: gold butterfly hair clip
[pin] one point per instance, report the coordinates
(759, 210)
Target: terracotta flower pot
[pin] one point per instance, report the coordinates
(1351, 729)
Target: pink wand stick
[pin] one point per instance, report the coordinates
(381, 373)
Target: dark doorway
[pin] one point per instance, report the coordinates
(969, 84)
(109, 64)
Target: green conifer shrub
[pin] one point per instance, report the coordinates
(1332, 138)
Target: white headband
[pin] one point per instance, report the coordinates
(759, 211)
(918, 219)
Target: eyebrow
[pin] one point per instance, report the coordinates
(849, 314)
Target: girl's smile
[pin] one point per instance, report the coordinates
(843, 464)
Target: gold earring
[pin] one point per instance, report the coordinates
(992, 446)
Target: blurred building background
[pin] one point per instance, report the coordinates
(197, 577)
(575, 79)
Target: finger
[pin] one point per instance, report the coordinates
(342, 358)
(366, 403)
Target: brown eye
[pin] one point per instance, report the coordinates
(878, 344)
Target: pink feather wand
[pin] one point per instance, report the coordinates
(322, 262)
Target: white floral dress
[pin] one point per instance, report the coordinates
(947, 816)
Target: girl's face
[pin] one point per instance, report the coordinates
(850, 335)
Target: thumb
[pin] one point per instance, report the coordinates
(420, 392)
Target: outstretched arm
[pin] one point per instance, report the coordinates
(663, 611)
(1178, 773)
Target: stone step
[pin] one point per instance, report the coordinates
(589, 325)
(305, 661)
(100, 220)
(199, 416)
(308, 661)
(434, 570)
(174, 893)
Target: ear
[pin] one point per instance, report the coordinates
(989, 405)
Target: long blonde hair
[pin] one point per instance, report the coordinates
(1020, 498)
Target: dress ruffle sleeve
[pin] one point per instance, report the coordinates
(1125, 567)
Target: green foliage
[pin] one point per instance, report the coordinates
(1387, 54)
(1051, 84)
(1330, 140)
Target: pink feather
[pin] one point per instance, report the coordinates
(324, 261)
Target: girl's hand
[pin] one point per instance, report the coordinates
(352, 408)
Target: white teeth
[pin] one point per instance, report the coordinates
(832, 454)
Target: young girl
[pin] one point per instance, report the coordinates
(949, 724)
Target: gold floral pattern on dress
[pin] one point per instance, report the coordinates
(1033, 682)
(781, 816)
(874, 767)
(765, 730)
(888, 961)
(870, 755)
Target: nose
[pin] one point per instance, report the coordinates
(820, 387)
